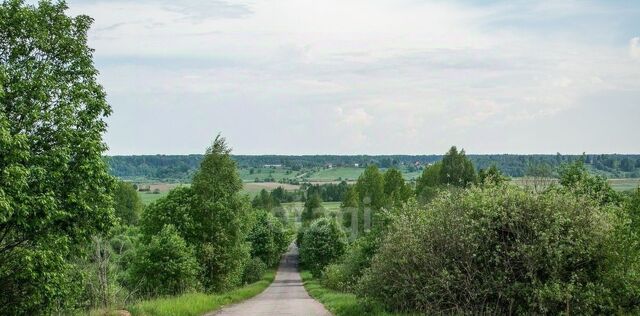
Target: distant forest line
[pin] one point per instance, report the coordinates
(182, 167)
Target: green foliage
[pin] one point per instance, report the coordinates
(491, 176)
(344, 275)
(370, 187)
(265, 201)
(253, 270)
(54, 186)
(322, 243)
(395, 188)
(128, 205)
(575, 178)
(165, 266)
(312, 209)
(633, 209)
(505, 250)
(268, 238)
(175, 209)
(457, 170)
(429, 183)
(222, 216)
(349, 206)
(211, 215)
(340, 303)
(196, 304)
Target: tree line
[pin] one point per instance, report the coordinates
(181, 168)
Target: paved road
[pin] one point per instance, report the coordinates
(285, 296)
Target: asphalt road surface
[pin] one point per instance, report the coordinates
(285, 296)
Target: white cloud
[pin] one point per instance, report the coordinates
(634, 47)
(392, 71)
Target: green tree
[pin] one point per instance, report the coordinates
(223, 213)
(322, 244)
(370, 187)
(312, 209)
(265, 201)
(174, 209)
(575, 178)
(429, 182)
(350, 206)
(165, 266)
(128, 205)
(395, 188)
(491, 175)
(55, 191)
(457, 170)
(211, 215)
(268, 238)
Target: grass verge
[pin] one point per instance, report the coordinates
(339, 303)
(196, 304)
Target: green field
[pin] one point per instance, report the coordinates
(335, 174)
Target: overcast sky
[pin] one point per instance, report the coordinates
(369, 77)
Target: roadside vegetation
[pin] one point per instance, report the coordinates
(465, 242)
(196, 304)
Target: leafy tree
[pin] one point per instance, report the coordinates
(223, 213)
(395, 188)
(165, 266)
(211, 215)
(174, 209)
(457, 169)
(265, 201)
(429, 181)
(128, 205)
(312, 209)
(370, 187)
(55, 191)
(268, 238)
(492, 175)
(322, 243)
(575, 178)
(349, 206)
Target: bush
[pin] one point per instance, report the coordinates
(166, 266)
(268, 238)
(504, 250)
(300, 236)
(253, 271)
(345, 275)
(322, 243)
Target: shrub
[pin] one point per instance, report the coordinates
(268, 238)
(344, 276)
(505, 250)
(322, 243)
(166, 266)
(300, 236)
(253, 271)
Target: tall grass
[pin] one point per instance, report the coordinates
(339, 303)
(196, 304)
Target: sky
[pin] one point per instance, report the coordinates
(368, 77)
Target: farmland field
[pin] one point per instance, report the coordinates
(336, 174)
(253, 188)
